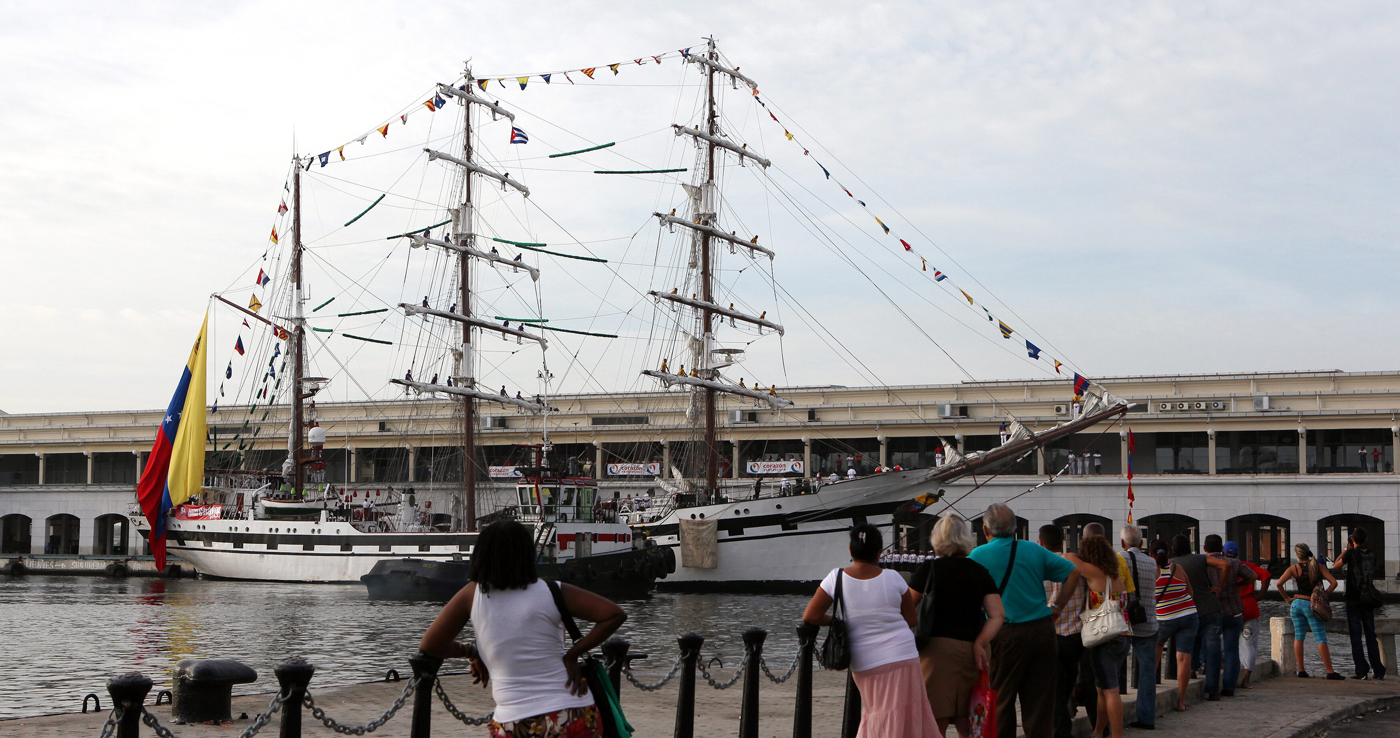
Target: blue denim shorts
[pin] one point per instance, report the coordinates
(1104, 659)
(1304, 620)
(1183, 629)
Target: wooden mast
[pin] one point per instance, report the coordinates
(466, 237)
(707, 206)
(299, 337)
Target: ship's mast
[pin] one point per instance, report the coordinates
(298, 338)
(708, 201)
(466, 372)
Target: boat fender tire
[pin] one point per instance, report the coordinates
(670, 555)
(116, 570)
(15, 568)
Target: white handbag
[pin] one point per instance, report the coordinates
(1103, 622)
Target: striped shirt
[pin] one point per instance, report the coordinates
(1173, 601)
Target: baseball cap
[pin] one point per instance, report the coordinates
(1232, 549)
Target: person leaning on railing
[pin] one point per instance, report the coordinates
(520, 651)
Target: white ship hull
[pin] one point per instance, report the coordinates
(786, 543)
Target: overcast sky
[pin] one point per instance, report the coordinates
(1148, 187)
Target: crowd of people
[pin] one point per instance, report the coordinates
(1042, 627)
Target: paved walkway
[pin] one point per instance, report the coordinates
(1282, 707)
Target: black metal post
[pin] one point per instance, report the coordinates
(293, 675)
(1123, 673)
(425, 668)
(802, 713)
(129, 693)
(615, 656)
(685, 705)
(748, 708)
(1169, 659)
(850, 721)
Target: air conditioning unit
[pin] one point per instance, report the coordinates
(1261, 403)
(743, 416)
(949, 410)
(1164, 407)
(1198, 406)
(1219, 405)
(1062, 409)
(498, 421)
(1183, 406)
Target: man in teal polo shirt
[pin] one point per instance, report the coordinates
(1024, 653)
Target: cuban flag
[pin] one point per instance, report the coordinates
(518, 136)
(175, 469)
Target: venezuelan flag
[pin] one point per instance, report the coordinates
(175, 470)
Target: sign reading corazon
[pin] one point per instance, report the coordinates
(775, 467)
(503, 471)
(634, 470)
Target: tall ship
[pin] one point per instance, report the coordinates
(684, 314)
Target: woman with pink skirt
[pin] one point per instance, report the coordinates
(878, 607)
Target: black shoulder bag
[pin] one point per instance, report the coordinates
(1137, 614)
(592, 671)
(1010, 566)
(923, 632)
(836, 649)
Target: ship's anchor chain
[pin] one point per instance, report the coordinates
(675, 668)
(112, 719)
(779, 680)
(150, 720)
(369, 727)
(723, 685)
(454, 712)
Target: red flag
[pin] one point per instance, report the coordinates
(245, 323)
(282, 208)
(907, 247)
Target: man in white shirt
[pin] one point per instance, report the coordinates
(851, 473)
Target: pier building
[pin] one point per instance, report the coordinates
(1267, 459)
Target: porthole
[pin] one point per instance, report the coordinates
(746, 511)
(780, 507)
(702, 516)
(692, 516)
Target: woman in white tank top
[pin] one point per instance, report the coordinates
(878, 609)
(521, 651)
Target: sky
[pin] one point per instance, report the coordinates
(1144, 188)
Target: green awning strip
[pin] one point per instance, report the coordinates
(366, 210)
(583, 151)
(581, 333)
(362, 312)
(327, 302)
(369, 340)
(524, 320)
(324, 330)
(521, 244)
(418, 230)
(566, 256)
(638, 171)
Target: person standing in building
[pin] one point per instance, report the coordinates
(1073, 464)
(1228, 582)
(1068, 644)
(1144, 635)
(1361, 601)
(1098, 463)
(1024, 654)
(1249, 636)
(1376, 459)
(1306, 574)
(1361, 455)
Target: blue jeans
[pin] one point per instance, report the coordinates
(1231, 628)
(1361, 622)
(1208, 645)
(1145, 653)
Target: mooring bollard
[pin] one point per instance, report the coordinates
(293, 675)
(615, 656)
(129, 694)
(1169, 659)
(850, 721)
(685, 704)
(425, 669)
(748, 707)
(802, 713)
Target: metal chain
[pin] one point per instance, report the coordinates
(113, 718)
(627, 672)
(253, 728)
(725, 685)
(369, 727)
(454, 712)
(779, 680)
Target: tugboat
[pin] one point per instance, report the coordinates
(577, 540)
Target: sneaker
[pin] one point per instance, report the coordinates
(1361, 677)
(1335, 677)
(1303, 675)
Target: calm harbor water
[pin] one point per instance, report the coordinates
(64, 636)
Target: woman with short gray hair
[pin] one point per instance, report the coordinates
(967, 614)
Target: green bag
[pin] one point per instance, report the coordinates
(615, 724)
